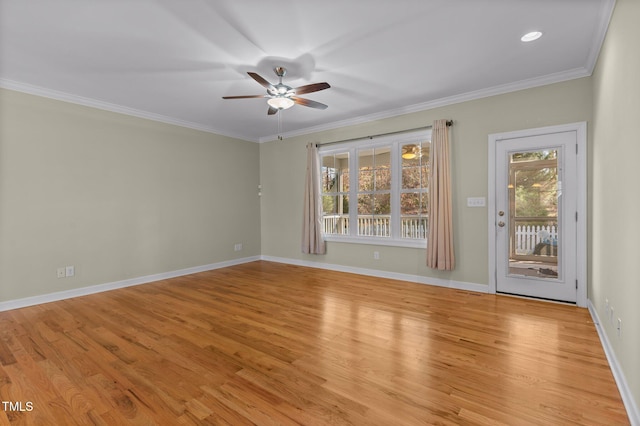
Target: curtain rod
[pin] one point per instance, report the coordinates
(449, 124)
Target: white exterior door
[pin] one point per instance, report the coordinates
(536, 202)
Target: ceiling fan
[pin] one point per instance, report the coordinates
(280, 96)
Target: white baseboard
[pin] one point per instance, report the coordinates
(618, 375)
(67, 294)
(460, 285)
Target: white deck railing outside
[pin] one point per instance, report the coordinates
(527, 237)
(379, 225)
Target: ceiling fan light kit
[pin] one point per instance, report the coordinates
(280, 102)
(410, 152)
(280, 96)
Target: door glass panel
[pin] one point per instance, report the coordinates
(534, 237)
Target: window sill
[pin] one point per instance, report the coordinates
(377, 241)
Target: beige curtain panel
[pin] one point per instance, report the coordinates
(312, 240)
(440, 236)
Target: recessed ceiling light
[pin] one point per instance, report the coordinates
(533, 35)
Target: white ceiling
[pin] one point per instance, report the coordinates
(173, 60)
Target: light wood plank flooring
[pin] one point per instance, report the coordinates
(265, 343)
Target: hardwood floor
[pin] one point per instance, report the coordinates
(266, 343)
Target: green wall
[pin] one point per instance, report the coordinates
(615, 198)
(282, 165)
(115, 196)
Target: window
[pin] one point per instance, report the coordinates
(386, 190)
(335, 193)
(374, 191)
(414, 196)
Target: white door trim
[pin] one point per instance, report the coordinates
(581, 244)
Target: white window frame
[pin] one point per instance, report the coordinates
(395, 141)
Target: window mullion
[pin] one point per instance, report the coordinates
(353, 192)
(396, 184)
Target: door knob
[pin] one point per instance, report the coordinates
(501, 224)
(500, 213)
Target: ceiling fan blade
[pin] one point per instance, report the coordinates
(272, 110)
(309, 88)
(244, 97)
(308, 103)
(260, 80)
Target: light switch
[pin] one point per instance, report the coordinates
(476, 202)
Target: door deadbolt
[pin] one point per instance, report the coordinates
(500, 213)
(501, 224)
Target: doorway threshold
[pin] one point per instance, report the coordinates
(541, 299)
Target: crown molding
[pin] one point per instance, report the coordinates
(106, 106)
(600, 33)
(408, 109)
(450, 100)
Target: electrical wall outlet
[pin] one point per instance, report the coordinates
(619, 327)
(61, 273)
(237, 247)
(69, 271)
(376, 255)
